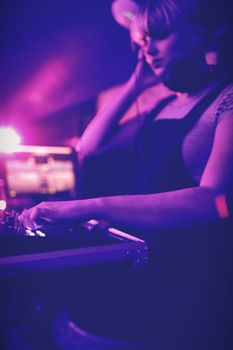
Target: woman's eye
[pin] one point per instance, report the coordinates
(161, 33)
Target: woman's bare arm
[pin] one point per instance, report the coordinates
(106, 120)
(209, 202)
(185, 208)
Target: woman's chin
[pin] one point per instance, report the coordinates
(159, 72)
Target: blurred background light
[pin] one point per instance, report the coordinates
(2, 205)
(9, 140)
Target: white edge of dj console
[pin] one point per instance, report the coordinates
(129, 248)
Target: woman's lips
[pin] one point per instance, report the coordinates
(155, 62)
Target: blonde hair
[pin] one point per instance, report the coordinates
(162, 16)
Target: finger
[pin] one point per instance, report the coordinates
(140, 55)
(24, 218)
(29, 218)
(40, 216)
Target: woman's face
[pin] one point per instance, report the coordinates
(162, 49)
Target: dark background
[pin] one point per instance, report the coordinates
(56, 57)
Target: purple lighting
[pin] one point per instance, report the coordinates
(41, 94)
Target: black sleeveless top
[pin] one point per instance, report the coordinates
(159, 146)
(152, 162)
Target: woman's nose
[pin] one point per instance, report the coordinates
(150, 47)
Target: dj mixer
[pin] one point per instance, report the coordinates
(60, 246)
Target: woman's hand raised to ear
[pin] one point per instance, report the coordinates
(104, 124)
(143, 75)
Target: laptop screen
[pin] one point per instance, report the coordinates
(41, 171)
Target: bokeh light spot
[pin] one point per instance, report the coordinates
(9, 140)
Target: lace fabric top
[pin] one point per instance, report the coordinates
(198, 142)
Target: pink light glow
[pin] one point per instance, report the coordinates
(53, 86)
(44, 92)
(9, 140)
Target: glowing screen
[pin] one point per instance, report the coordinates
(36, 173)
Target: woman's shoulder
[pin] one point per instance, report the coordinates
(228, 90)
(224, 102)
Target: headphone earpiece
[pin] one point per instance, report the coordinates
(124, 11)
